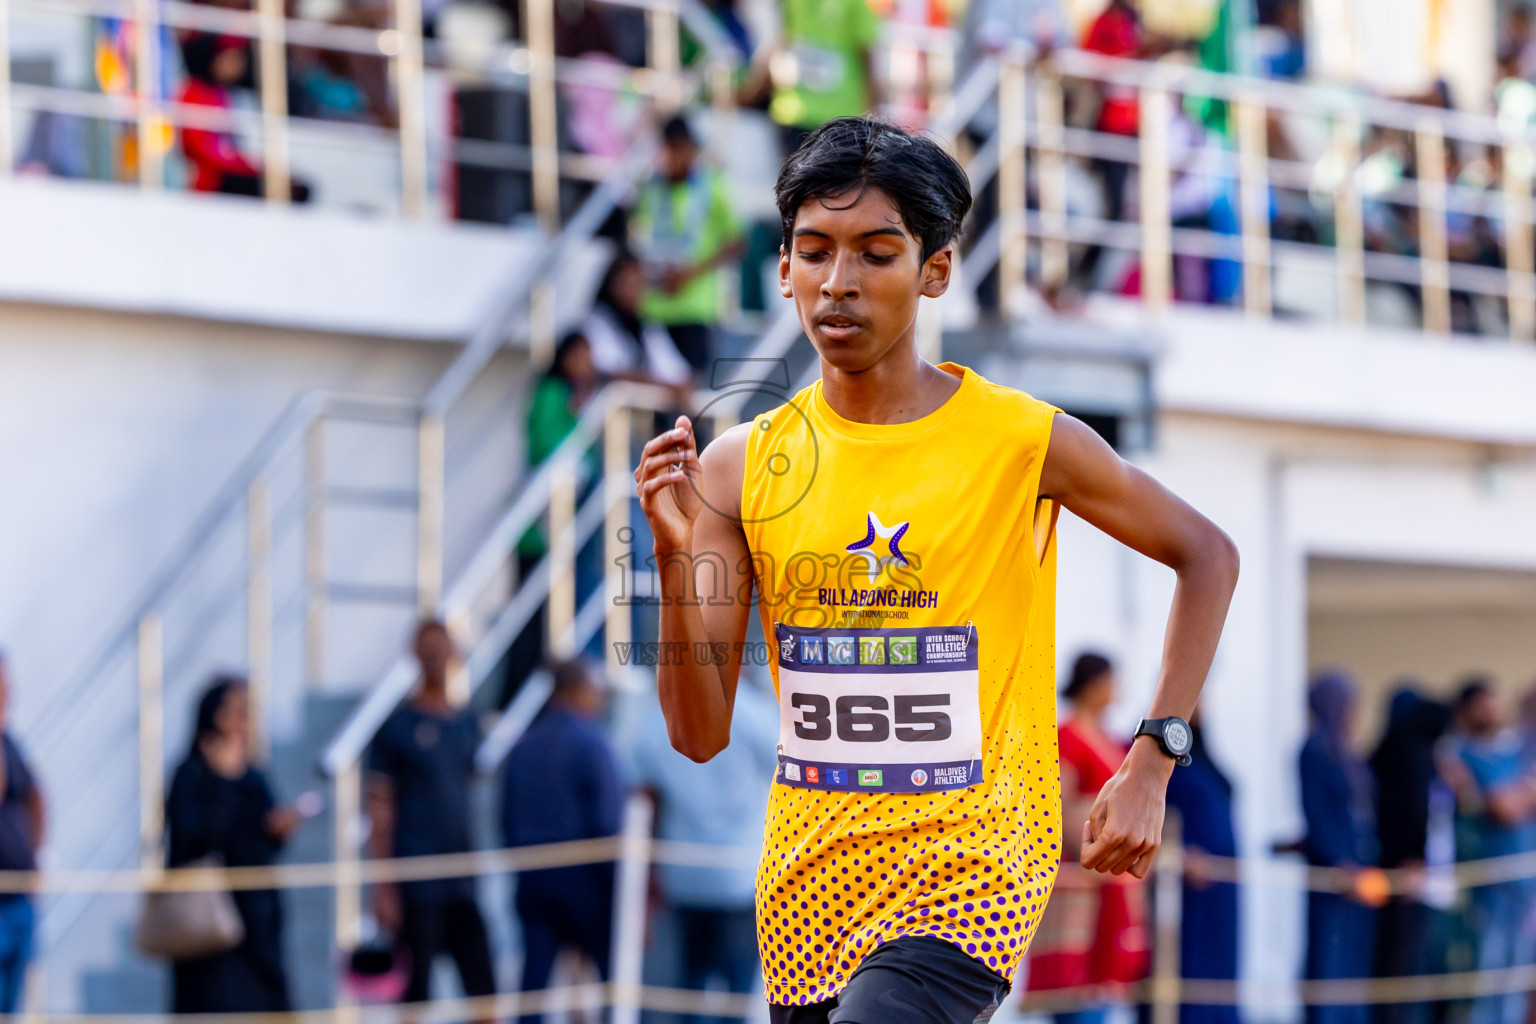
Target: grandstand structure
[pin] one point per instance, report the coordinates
(250, 435)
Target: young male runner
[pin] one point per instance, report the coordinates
(897, 519)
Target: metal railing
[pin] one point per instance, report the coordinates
(1036, 143)
(1029, 153)
(418, 140)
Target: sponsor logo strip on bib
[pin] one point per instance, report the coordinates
(879, 710)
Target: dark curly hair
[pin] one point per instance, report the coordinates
(855, 154)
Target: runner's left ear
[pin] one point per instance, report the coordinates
(937, 270)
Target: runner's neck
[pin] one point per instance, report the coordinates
(891, 391)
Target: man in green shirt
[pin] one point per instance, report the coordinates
(825, 67)
(684, 230)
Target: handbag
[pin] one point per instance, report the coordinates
(185, 924)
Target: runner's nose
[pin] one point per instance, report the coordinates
(842, 279)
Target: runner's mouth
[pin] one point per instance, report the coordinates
(840, 325)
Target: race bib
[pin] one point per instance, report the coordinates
(879, 710)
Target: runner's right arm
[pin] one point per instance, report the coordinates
(693, 504)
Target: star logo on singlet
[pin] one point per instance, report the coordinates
(866, 546)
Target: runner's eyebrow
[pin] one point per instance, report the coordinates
(803, 232)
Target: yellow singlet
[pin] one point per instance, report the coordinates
(907, 584)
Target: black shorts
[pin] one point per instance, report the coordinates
(914, 980)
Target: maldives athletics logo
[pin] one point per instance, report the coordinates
(919, 777)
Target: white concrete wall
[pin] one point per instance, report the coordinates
(226, 258)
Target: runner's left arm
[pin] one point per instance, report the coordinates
(1085, 475)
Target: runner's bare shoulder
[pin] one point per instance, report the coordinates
(724, 462)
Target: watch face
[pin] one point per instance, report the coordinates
(1176, 735)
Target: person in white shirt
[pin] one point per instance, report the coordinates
(625, 347)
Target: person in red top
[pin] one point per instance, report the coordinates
(215, 65)
(1094, 931)
(1116, 32)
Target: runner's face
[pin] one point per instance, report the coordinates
(856, 272)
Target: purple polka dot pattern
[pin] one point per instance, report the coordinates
(843, 872)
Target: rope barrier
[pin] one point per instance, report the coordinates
(1415, 988)
(594, 996)
(327, 874)
(1363, 991)
(1407, 881)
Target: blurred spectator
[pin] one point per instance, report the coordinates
(368, 72)
(992, 27)
(215, 65)
(1525, 728)
(1517, 42)
(420, 768)
(1116, 32)
(56, 145)
(825, 67)
(1470, 237)
(1403, 768)
(1282, 49)
(728, 17)
(1338, 803)
(1199, 196)
(320, 85)
(685, 230)
(1094, 930)
(220, 805)
(722, 802)
(587, 29)
(1202, 795)
(624, 345)
(1498, 800)
(561, 782)
(597, 119)
(22, 818)
(558, 400)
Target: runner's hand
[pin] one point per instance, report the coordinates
(668, 480)
(1125, 826)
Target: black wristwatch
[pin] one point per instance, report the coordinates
(1172, 734)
